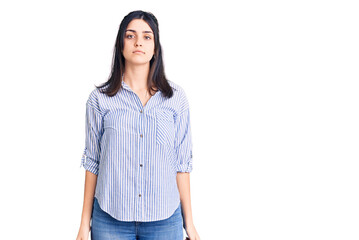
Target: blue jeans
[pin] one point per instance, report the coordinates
(105, 227)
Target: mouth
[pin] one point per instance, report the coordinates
(138, 52)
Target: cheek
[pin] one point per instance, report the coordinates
(151, 47)
(126, 50)
(125, 46)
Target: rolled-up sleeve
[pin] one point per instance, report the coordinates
(93, 125)
(183, 141)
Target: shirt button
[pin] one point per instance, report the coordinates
(140, 111)
(139, 195)
(141, 135)
(141, 165)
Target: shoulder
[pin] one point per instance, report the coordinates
(179, 96)
(177, 89)
(95, 97)
(174, 85)
(96, 94)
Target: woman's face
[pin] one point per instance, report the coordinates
(138, 37)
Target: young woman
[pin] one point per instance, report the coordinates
(138, 147)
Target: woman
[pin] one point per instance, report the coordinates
(138, 148)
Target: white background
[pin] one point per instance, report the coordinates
(273, 92)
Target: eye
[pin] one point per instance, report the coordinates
(148, 37)
(128, 36)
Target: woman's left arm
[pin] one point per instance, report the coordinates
(183, 183)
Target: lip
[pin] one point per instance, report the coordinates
(138, 51)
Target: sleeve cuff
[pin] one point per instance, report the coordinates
(89, 164)
(186, 167)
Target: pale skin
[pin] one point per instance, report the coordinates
(138, 36)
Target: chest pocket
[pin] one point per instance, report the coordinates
(165, 128)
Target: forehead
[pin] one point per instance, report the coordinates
(139, 25)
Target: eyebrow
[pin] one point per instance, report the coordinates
(131, 30)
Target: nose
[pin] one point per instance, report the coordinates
(138, 44)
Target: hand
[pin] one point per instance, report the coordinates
(83, 232)
(191, 232)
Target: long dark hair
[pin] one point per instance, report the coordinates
(156, 74)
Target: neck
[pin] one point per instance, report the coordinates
(136, 76)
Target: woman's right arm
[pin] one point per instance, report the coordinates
(91, 160)
(90, 185)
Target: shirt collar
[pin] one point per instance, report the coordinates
(125, 86)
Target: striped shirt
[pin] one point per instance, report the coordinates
(136, 151)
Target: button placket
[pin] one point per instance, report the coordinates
(140, 181)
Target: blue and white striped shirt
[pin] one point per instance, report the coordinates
(136, 151)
